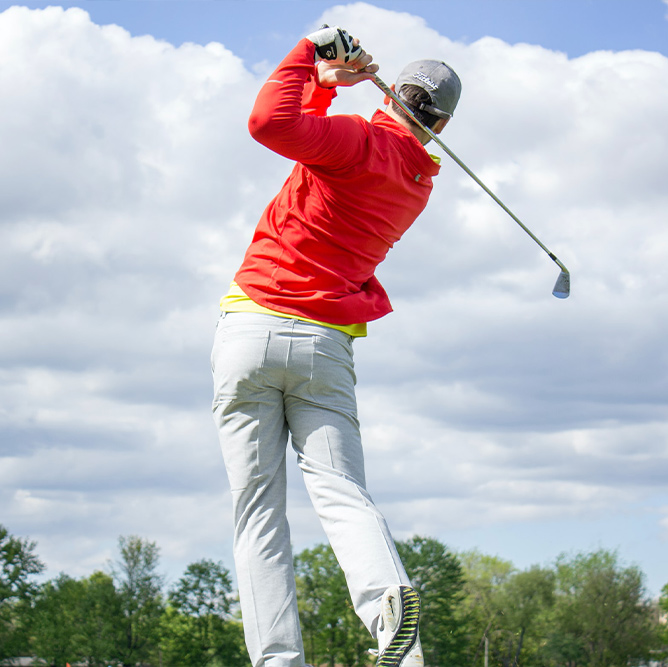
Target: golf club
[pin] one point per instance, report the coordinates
(562, 287)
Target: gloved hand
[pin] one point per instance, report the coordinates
(335, 46)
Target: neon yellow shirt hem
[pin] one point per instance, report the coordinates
(236, 301)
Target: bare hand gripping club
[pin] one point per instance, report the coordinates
(562, 287)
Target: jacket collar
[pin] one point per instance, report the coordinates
(423, 161)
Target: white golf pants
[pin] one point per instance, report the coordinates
(274, 377)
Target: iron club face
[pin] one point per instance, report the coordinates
(562, 288)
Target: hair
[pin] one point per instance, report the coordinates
(413, 97)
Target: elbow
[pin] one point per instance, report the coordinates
(258, 125)
(266, 128)
(271, 129)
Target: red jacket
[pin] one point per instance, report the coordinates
(356, 188)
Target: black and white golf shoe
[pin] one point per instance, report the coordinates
(398, 637)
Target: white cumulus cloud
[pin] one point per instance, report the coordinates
(129, 188)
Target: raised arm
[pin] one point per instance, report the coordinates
(289, 116)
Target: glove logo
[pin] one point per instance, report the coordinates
(327, 51)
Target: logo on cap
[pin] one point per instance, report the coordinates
(425, 79)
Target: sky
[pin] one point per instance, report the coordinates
(495, 417)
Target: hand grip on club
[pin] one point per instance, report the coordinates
(563, 285)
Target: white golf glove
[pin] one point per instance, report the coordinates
(334, 45)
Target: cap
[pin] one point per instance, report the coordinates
(439, 80)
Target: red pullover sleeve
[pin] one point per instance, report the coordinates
(289, 116)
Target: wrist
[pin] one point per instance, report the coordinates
(323, 81)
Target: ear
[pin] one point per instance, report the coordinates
(388, 99)
(440, 124)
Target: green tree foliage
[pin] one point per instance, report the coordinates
(602, 617)
(438, 577)
(90, 621)
(56, 619)
(333, 634)
(77, 621)
(98, 622)
(18, 565)
(661, 652)
(481, 609)
(196, 628)
(101, 620)
(204, 590)
(585, 611)
(181, 646)
(139, 586)
(525, 602)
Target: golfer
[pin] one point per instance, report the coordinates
(283, 352)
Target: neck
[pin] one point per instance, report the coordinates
(414, 129)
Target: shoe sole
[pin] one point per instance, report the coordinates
(404, 639)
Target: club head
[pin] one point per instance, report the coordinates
(562, 288)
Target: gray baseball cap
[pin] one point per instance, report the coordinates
(439, 80)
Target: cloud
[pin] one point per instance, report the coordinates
(129, 188)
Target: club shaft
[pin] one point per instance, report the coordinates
(392, 95)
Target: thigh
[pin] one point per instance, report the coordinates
(248, 400)
(321, 407)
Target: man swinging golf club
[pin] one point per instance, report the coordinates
(282, 358)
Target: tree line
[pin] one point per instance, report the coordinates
(584, 610)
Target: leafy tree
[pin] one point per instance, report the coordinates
(56, 629)
(139, 586)
(662, 625)
(438, 577)
(205, 589)
(18, 565)
(101, 620)
(482, 608)
(77, 620)
(178, 644)
(333, 634)
(603, 617)
(196, 628)
(526, 599)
